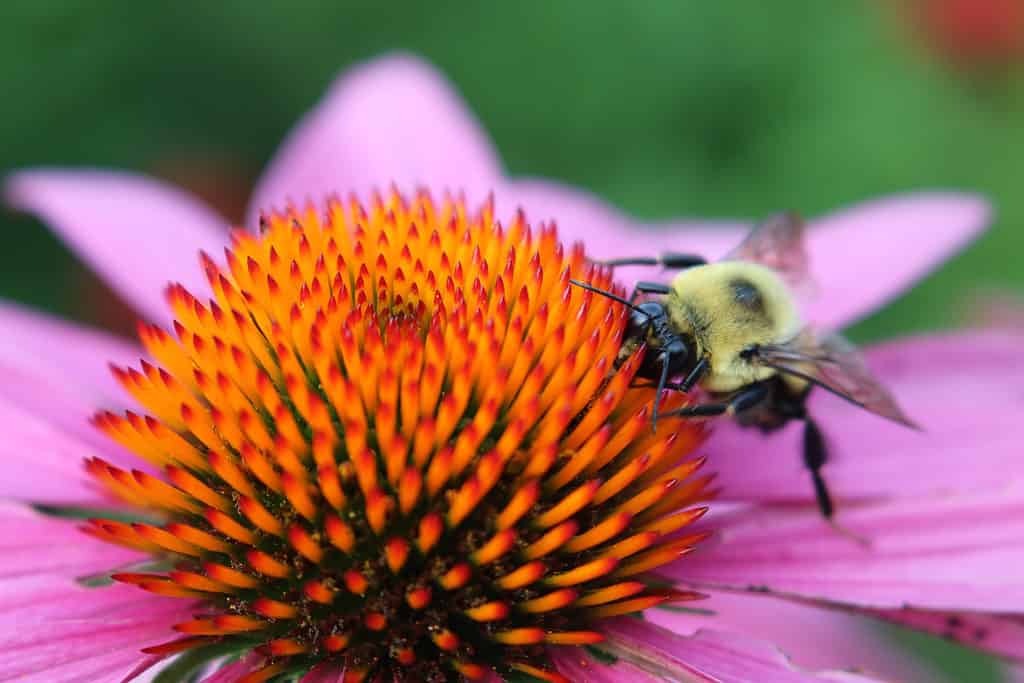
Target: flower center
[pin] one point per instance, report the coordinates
(397, 439)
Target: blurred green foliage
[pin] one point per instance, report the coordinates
(666, 108)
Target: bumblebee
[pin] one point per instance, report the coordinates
(732, 329)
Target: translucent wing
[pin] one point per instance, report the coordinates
(778, 243)
(832, 363)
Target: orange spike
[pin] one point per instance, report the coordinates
(339, 533)
(396, 551)
(523, 499)
(228, 576)
(568, 506)
(258, 515)
(198, 582)
(431, 528)
(497, 546)
(446, 640)
(660, 555)
(179, 645)
(587, 572)
(375, 621)
(274, 609)
(551, 541)
(229, 527)
(522, 577)
(355, 582)
(490, 611)
(574, 638)
(456, 577)
(546, 603)
(318, 592)
(419, 597)
(285, 647)
(220, 625)
(267, 565)
(336, 642)
(304, 543)
(188, 483)
(330, 486)
(627, 606)
(296, 490)
(198, 538)
(230, 473)
(611, 593)
(520, 636)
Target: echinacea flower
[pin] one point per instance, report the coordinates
(383, 437)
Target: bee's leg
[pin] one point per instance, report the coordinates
(643, 287)
(815, 456)
(662, 381)
(669, 259)
(740, 402)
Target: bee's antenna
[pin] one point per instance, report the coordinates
(613, 297)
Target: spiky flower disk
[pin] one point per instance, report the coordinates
(396, 439)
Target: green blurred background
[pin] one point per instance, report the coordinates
(721, 109)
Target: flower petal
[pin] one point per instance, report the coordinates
(860, 257)
(872, 252)
(705, 655)
(42, 464)
(390, 120)
(138, 233)
(54, 630)
(32, 545)
(813, 637)
(963, 389)
(608, 232)
(997, 634)
(959, 553)
(579, 666)
(64, 353)
(54, 376)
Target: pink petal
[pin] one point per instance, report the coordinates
(390, 120)
(138, 233)
(997, 634)
(955, 554)
(32, 545)
(813, 637)
(705, 656)
(55, 630)
(962, 388)
(860, 257)
(872, 252)
(609, 233)
(64, 353)
(54, 376)
(579, 666)
(41, 463)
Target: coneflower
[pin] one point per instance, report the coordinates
(396, 439)
(389, 441)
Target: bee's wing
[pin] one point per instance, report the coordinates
(834, 364)
(777, 243)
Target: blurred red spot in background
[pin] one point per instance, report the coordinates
(973, 34)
